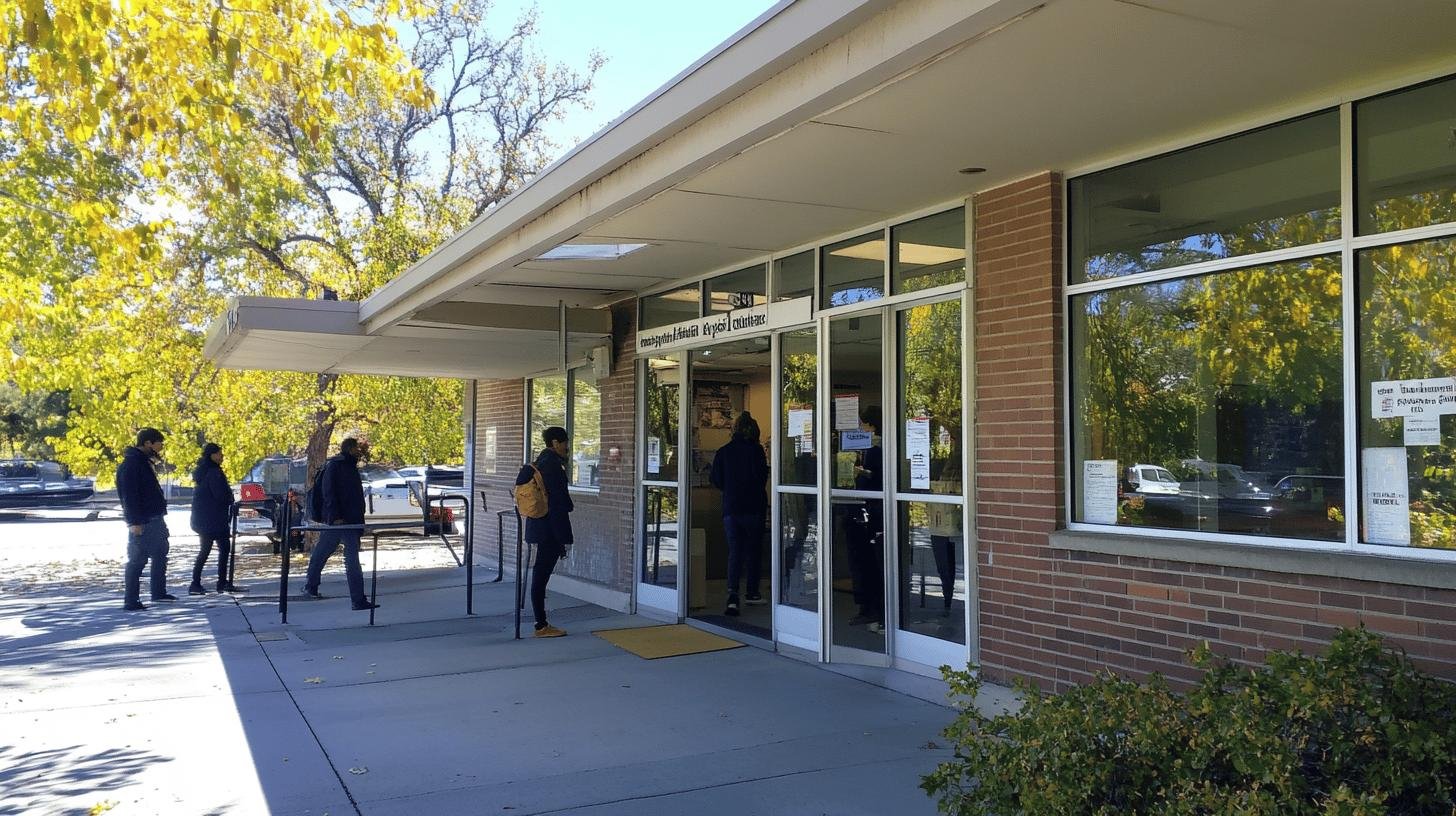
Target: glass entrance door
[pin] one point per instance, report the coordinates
(932, 598)
(854, 469)
(660, 557)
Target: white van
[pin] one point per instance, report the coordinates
(1152, 479)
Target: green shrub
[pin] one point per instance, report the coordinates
(1357, 732)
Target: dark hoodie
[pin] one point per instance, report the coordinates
(555, 527)
(137, 486)
(211, 498)
(740, 470)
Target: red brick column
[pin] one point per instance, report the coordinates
(1018, 421)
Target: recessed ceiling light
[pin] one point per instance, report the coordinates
(971, 171)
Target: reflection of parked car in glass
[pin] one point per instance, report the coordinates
(1152, 479)
(1218, 478)
(442, 475)
(1309, 507)
(31, 482)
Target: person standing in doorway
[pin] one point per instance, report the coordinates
(145, 510)
(212, 501)
(740, 470)
(343, 503)
(551, 533)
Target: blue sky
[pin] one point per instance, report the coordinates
(646, 43)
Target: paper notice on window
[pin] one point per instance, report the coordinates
(1387, 497)
(917, 450)
(799, 420)
(654, 454)
(856, 440)
(489, 457)
(846, 412)
(1099, 491)
(1431, 396)
(1423, 430)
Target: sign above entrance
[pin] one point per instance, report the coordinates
(726, 326)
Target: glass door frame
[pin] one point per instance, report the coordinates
(793, 626)
(828, 651)
(663, 600)
(911, 648)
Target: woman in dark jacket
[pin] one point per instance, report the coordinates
(740, 470)
(552, 533)
(212, 498)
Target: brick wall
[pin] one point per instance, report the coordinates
(1057, 615)
(602, 522)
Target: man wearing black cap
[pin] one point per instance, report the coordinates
(145, 510)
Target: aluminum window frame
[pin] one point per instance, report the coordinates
(1348, 247)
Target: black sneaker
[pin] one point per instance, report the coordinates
(230, 587)
(135, 606)
(365, 606)
(732, 608)
(196, 589)
(755, 600)
(312, 593)
(861, 619)
(165, 596)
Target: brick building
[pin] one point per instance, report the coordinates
(1078, 333)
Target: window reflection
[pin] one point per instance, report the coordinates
(683, 303)
(853, 271)
(799, 538)
(933, 570)
(738, 290)
(1267, 189)
(660, 537)
(928, 252)
(930, 398)
(1405, 172)
(660, 393)
(798, 372)
(1208, 392)
(793, 277)
(1408, 332)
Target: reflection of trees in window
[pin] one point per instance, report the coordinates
(1240, 367)
(661, 396)
(548, 408)
(798, 373)
(1408, 331)
(931, 381)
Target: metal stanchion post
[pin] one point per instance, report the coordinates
(286, 549)
(374, 580)
(232, 546)
(469, 557)
(520, 570)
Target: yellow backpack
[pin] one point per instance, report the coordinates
(531, 496)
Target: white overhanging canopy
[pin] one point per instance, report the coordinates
(822, 117)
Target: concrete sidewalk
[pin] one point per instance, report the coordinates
(209, 705)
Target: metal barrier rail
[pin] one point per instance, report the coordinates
(523, 568)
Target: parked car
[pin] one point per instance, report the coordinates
(387, 497)
(1152, 479)
(442, 475)
(28, 482)
(1309, 507)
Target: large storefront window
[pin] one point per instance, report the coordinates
(661, 388)
(1407, 300)
(1201, 402)
(793, 277)
(1215, 400)
(1274, 188)
(798, 469)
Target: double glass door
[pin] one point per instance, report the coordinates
(869, 532)
(896, 572)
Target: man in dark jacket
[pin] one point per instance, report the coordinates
(552, 533)
(145, 510)
(212, 500)
(740, 470)
(343, 503)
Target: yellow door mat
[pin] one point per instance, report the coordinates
(653, 642)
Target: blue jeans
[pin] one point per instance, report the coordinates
(151, 544)
(745, 537)
(328, 541)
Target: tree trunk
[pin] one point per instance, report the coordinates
(324, 420)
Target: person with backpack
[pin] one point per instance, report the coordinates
(339, 499)
(550, 532)
(740, 470)
(212, 499)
